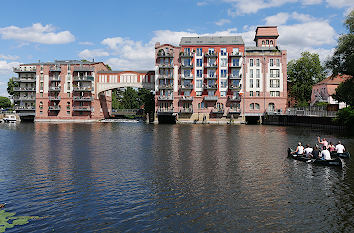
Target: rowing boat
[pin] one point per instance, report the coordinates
(345, 155)
(331, 162)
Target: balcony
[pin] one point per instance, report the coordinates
(186, 76)
(186, 98)
(165, 86)
(210, 86)
(210, 98)
(83, 78)
(24, 89)
(54, 98)
(187, 87)
(235, 76)
(218, 110)
(82, 108)
(165, 97)
(83, 98)
(235, 65)
(54, 88)
(211, 54)
(165, 54)
(186, 110)
(54, 78)
(234, 98)
(24, 70)
(163, 76)
(165, 110)
(234, 111)
(24, 80)
(185, 54)
(55, 69)
(84, 68)
(236, 54)
(211, 76)
(24, 98)
(165, 66)
(54, 108)
(188, 66)
(89, 89)
(235, 87)
(25, 108)
(211, 65)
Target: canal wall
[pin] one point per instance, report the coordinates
(307, 121)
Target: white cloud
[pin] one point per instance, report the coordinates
(311, 2)
(278, 19)
(240, 7)
(37, 33)
(8, 57)
(87, 54)
(340, 3)
(302, 17)
(85, 43)
(6, 67)
(202, 3)
(222, 22)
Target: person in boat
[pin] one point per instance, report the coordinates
(325, 154)
(323, 141)
(315, 154)
(340, 148)
(331, 147)
(299, 149)
(308, 150)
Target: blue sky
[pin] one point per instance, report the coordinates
(123, 33)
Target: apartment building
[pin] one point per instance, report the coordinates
(61, 90)
(218, 79)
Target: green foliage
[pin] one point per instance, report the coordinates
(343, 57)
(345, 116)
(345, 92)
(321, 104)
(108, 67)
(303, 73)
(130, 99)
(8, 220)
(5, 102)
(10, 86)
(147, 99)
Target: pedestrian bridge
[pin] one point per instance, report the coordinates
(109, 80)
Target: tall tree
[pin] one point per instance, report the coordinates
(343, 57)
(130, 99)
(4, 102)
(345, 92)
(303, 73)
(10, 86)
(147, 99)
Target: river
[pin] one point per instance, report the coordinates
(133, 177)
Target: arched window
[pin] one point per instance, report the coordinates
(267, 41)
(41, 105)
(252, 106)
(271, 42)
(68, 105)
(263, 42)
(271, 107)
(256, 106)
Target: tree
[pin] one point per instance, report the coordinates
(147, 99)
(343, 57)
(10, 86)
(5, 102)
(130, 99)
(108, 67)
(303, 73)
(345, 92)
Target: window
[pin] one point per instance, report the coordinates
(256, 106)
(211, 50)
(41, 105)
(211, 93)
(222, 93)
(251, 73)
(258, 93)
(68, 105)
(187, 50)
(199, 93)
(275, 73)
(223, 52)
(251, 93)
(199, 62)
(252, 106)
(235, 50)
(41, 86)
(223, 73)
(271, 42)
(223, 62)
(223, 83)
(251, 83)
(199, 52)
(257, 83)
(258, 72)
(263, 42)
(251, 62)
(277, 61)
(267, 41)
(275, 83)
(68, 87)
(198, 83)
(271, 107)
(275, 93)
(257, 62)
(271, 62)
(199, 73)
(187, 93)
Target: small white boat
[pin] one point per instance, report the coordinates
(9, 118)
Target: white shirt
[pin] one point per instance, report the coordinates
(340, 148)
(324, 143)
(326, 155)
(300, 150)
(308, 150)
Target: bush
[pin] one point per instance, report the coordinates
(5, 102)
(345, 116)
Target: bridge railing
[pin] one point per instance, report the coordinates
(125, 111)
(310, 111)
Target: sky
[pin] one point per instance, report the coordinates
(123, 33)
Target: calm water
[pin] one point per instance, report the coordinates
(134, 177)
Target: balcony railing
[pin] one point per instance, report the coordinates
(165, 110)
(215, 76)
(165, 86)
(164, 54)
(217, 110)
(163, 76)
(211, 54)
(235, 76)
(236, 65)
(186, 110)
(82, 108)
(165, 65)
(234, 111)
(211, 86)
(24, 98)
(82, 98)
(55, 69)
(24, 80)
(165, 97)
(84, 68)
(211, 65)
(186, 65)
(54, 78)
(83, 78)
(54, 108)
(210, 98)
(83, 89)
(24, 89)
(54, 88)
(234, 87)
(24, 69)
(25, 108)
(236, 54)
(186, 98)
(54, 98)
(185, 54)
(186, 76)
(234, 98)
(187, 86)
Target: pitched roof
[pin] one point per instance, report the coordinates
(212, 40)
(334, 80)
(267, 31)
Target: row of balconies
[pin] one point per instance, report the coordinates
(24, 89)
(206, 98)
(25, 108)
(190, 65)
(24, 80)
(191, 54)
(23, 69)
(190, 86)
(206, 76)
(75, 108)
(190, 110)
(24, 98)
